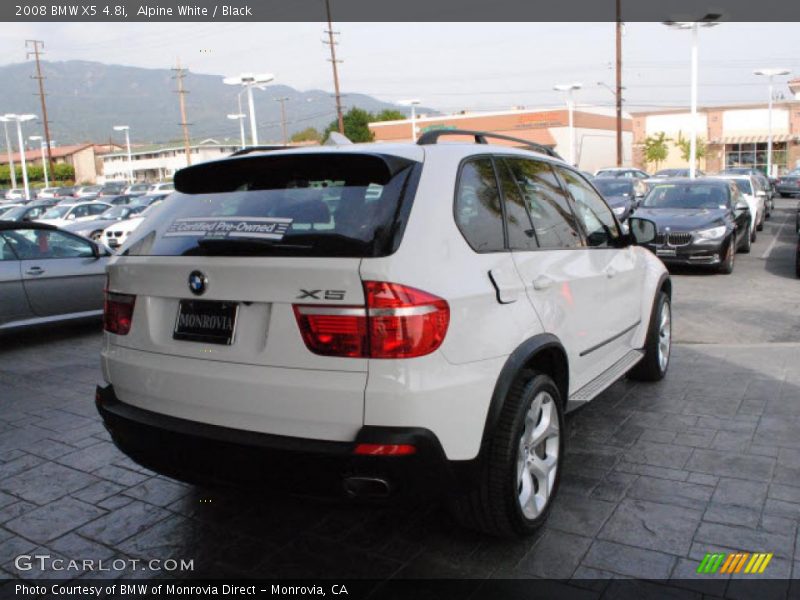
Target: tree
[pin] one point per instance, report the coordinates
(356, 129)
(389, 114)
(656, 148)
(685, 147)
(309, 134)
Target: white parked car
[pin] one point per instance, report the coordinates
(63, 214)
(756, 200)
(163, 186)
(48, 192)
(15, 194)
(116, 234)
(380, 318)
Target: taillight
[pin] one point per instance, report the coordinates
(333, 330)
(118, 312)
(397, 322)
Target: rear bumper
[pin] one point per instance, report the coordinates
(210, 454)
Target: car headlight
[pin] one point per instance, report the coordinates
(619, 210)
(713, 233)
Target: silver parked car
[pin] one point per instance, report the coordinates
(48, 275)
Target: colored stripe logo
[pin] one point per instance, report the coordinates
(735, 562)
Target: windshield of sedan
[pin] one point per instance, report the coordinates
(688, 195)
(57, 212)
(116, 212)
(613, 187)
(744, 186)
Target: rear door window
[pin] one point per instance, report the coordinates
(346, 205)
(521, 233)
(478, 213)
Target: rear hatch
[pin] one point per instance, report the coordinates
(218, 270)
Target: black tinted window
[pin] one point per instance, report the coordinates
(553, 221)
(478, 212)
(595, 215)
(345, 205)
(521, 234)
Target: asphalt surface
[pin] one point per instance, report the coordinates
(656, 475)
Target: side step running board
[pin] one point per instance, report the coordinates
(605, 380)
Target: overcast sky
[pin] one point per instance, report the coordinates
(449, 66)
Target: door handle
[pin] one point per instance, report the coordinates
(542, 282)
(34, 271)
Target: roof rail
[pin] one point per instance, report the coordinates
(250, 149)
(432, 137)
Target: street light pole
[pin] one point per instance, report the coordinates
(569, 88)
(693, 131)
(126, 129)
(709, 20)
(38, 138)
(413, 104)
(10, 151)
(770, 73)
(19, 120)
(22, 159)
(248, 80)
(240, 117)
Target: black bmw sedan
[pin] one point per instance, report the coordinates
(622, 195)
(699, 221)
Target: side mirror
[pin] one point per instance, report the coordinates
(71, 217)
(761, 194)
(642, 231)
(741, 205)
(96, 251)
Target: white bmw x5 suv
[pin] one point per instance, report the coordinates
(378, 319)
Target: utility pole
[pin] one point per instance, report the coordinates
(38, 45)
(283, 119)
(619, 83)
(332, 43)
(179, 75)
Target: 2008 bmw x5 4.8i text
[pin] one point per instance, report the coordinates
(377, 319)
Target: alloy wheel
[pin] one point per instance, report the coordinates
(664, 336)
(537, 455)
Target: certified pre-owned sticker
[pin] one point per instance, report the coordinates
(269, 228)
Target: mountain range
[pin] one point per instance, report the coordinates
(85, 100)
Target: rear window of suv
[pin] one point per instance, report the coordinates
(320, 205)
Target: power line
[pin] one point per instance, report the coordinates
(37, 46)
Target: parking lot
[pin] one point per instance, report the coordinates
(656, 476)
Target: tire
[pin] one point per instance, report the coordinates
(760, 224)
(727, 264)
(494, 504)
(658, 345)
(749, 238)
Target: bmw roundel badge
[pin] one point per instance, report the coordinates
(197, 282)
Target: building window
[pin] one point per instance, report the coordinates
(754, 155)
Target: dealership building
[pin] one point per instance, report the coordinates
(735, 135)
(595, 130)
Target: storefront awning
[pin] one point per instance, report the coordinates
(756, 139)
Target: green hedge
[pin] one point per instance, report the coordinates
(62, 174)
